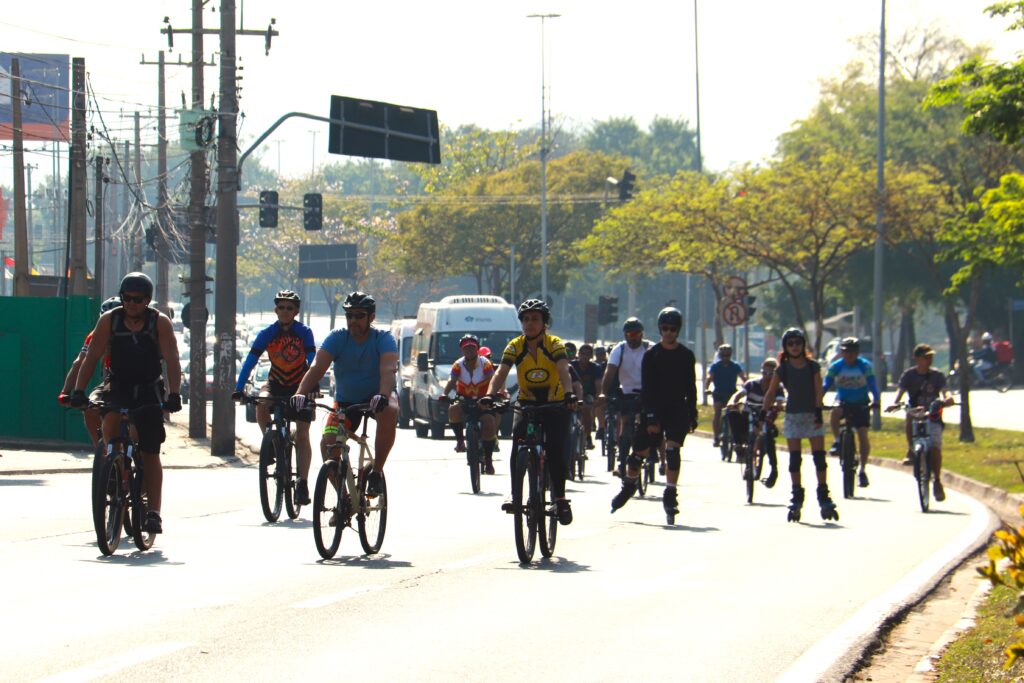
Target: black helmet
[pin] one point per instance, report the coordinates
(287, 295)
(632, 324)
(670, 316)
(360, 300)
(850, 344)
(535, 305)
(793, 333)
(136, 282)
(110, 304)
(469, 339)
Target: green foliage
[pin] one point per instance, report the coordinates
(665, 148)
(1008, 548)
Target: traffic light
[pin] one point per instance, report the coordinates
(750, 306)
(312, 211)
(626, 186)
(268, 209)
(607, 309)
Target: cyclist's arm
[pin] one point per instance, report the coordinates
(829, 381)
(448, 387)
(388, 368)
(737, 397)
(97, 347)
(896, 401)
(709, 380)
(169, 351)
(311, 379)
(611, 376)
(563, 374)
(769, 394)
(69, 381)
(310, 347)
(873, 388)
(498, 381)
(247, 368)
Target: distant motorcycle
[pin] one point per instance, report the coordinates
(998, 377)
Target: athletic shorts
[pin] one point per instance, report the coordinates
(148, 416)
(352, 418)
(674, 427)
(801, 426)
(859, 414)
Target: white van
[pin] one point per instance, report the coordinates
(435, 347)
(402, 330)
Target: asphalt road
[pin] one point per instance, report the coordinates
(732, 592)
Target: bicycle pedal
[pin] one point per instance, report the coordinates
(509, 507)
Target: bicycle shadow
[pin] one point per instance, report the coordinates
(378, 561)
(556, 565)
(137, 558)
(584, 482)
(933, 511)
(482, 494)
(677, 527)
(869, 499)
(755, 504)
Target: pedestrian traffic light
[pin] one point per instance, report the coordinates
(750, 306)
(626, 186)
(268, 209)
(312, 211)
(607, 309)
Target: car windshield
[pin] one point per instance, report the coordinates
(406, 351)
(447, 350)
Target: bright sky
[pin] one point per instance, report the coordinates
(480, 62)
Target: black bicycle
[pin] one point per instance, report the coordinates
(472, 411)
(276, 476)
(609, 442)
(533, 516)
(921, 440)
(119, 494)
(847, 449)
(577, 447)
(725, 443)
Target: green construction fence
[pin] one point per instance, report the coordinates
(39, 339)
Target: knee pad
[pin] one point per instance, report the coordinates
(634, 461)
(820, 463)
(672, 458)
(795, 459)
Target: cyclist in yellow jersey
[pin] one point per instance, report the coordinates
(543, 372)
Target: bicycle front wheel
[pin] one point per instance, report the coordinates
(641, 481)
(330, 499)
(524, 520)
(547, 519)
(271, 492)
(473, 450)
(108, 504)
(286, 482)
(849, 462)
(725, 445)
(373, 513)
(143, 539)
(608, 444)
(922, 472)
(750, 469)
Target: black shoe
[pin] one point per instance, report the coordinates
(628, 491)
(590, 444)
(302, 492)
(770, 480)
(938, 491)
(153, 525)
(564, 512)
(717, 442)
(374, 484)
(862, 479)
(670, 501)
(834, 450)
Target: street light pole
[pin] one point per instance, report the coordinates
(543, 159)
(876, 418)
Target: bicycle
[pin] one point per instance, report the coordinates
(725, 443)
(609, 442)
(340, 492)
(577, 447)
(119, 494)
(474, 448)
(533, 518)
(921, 447)
(847, 450)
(276, 460)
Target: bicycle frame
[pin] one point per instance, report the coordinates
(848, 446)
(126, 497)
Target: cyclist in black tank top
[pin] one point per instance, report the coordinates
(136, 338)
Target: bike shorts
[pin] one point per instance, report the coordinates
(859, 414)
(674, 427)
(488, 421)
(146, 400)
(739, 425)
(278, 391)
(555, 436)
(352, 418)
(720, 398)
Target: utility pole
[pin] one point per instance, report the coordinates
(543, 158)
(77, 183)
(876, 416)
(160, 244)
(20, 232)
(126, 208)
(222, 440)
(138, 259)
(28, 209)
(97, 274)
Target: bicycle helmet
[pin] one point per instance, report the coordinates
(632, 324)
(469, 339)
(793, 333)
(287, 295)
(850, 344)
(360, 300)
(485, 351)
(670, 316)
(535, 305)
(986, 337)
(110, 304)
(725, 348)
(136, 282)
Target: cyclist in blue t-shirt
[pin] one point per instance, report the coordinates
(854, 380)
(365, 361)
(724, 373)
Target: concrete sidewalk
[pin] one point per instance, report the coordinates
(179, 451)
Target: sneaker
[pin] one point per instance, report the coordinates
(564, 512)
(717, 442)
(628, 491)
(862, 479)
(940, 493)
(773, 476)
(488, 465)
(153, 525)
(908, 459)
(661, 469)
(302, 492)
(460, 447)
(670, 501)
(834, 450)
(590, 444)
(333, 521)
(374, 484)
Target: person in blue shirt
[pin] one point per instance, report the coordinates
(854, 380)
(290, 347)
(724, 374)
(365, 361)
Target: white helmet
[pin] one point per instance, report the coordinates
(986, 337)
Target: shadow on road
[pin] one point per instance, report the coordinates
(755, 504)
(677, 527)
(21, 482)
(869, 499)
(933, 511)
(367, 562)
(558, 565)
(137, 558)
(482, 494)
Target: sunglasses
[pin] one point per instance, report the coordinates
(357, 315)
(794, 342)
(287, 308)
(668, 328)
(129, 299)
(634, 335)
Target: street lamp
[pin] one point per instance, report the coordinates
(876, 418)
(543, 160)
(312, 163)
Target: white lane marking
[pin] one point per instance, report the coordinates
(105, 667)
(815, 662)
(325, 600)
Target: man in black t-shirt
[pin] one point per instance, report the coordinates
(590, 375)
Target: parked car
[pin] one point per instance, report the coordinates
(402, 330)
(258, 378)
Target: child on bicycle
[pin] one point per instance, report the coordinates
(753, 390)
